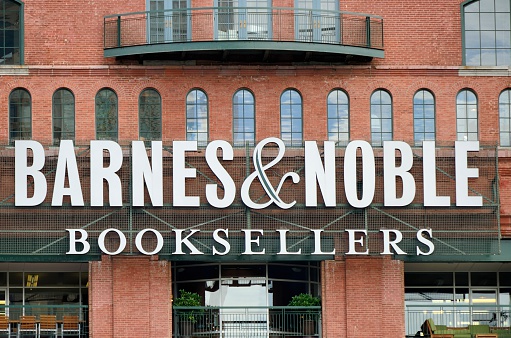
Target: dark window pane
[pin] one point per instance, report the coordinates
(20, 115)
(63, 115)
(149, 110)
(484, 278)
(106, 115)
(10, 42)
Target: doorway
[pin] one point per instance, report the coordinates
(243, 20)
(242, 300)
(169, 21)
(317, 21)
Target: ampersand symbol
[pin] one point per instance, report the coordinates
(260, 173)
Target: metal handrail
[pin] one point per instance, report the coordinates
(251, 321)
(277, 24)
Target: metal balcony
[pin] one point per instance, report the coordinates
(244, 34)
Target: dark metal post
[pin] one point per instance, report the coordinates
(368, 31)
(119, 31)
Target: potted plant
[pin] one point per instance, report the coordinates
(187, 317)
(306, 300)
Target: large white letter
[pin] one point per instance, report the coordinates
(98, 173)
(181, 173)
(122, 241)
(67, 159)
(429, 177)
(424, 240)
(249, 241)
(142, 171)
(325, 176)
(73, 240)
(227, 182)
(317, 243)
(390, 172)
(463, 173)
(221, 241)
(159, 242)
(352, 241)
(387, 243)
(283, 244)
(368, 179)
(22, 171)
(180, 241)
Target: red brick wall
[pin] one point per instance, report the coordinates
(267, 84)
(363, 297)
(130, 297)
(416, 33)
(71, 32)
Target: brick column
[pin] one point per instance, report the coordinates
(130, 297)
(363, 297)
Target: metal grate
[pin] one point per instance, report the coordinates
(40, 231)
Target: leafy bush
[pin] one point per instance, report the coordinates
(187, 298)
(305, 299)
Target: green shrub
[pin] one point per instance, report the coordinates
(305, 299)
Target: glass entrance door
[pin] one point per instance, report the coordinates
(315, 23)
(243, 19)
(247, 293)
(168, 21)
(484, 307)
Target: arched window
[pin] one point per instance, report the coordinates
(11, 32)
(20, 115)
(106, 115)
(149, 115)
(466, 116)
(243, 117)
(505, 118)
(338, 111)
(197, 116)
(291, 121)
(486, 28)
(423, 116)
(63, 115)
(381, 117)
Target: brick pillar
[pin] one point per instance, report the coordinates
(363, 297)
(130, 297)
(333, 300)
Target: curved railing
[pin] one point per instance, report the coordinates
(277, 24)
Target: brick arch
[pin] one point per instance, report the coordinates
(432, 86)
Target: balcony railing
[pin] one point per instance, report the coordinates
(80, 312)
(458, 316)
(253, 322)
(224, 24)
